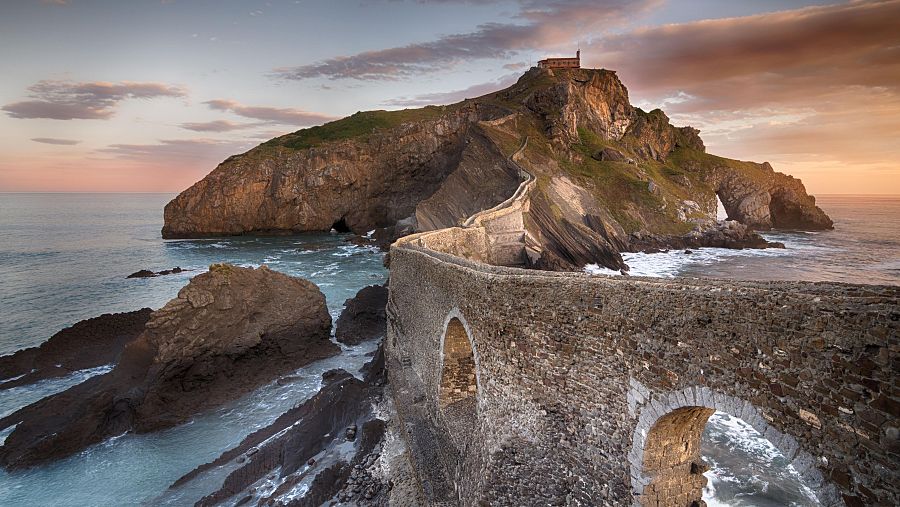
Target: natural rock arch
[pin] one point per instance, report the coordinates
(665, 454)
(458, 392)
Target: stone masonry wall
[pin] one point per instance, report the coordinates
(574, 372)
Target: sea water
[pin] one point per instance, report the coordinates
(863, 247)
(65, 257)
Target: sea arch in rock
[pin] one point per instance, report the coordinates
(666, 465)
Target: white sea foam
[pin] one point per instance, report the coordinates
(670, 264)
(349, 250)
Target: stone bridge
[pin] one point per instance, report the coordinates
(522, 387)
(540, 388)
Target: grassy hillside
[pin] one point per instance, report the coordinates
(357, 125)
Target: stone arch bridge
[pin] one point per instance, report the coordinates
(519, 387)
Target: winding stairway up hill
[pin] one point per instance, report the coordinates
(602, 177)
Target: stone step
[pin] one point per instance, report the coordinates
(507, 237)
(510, 222)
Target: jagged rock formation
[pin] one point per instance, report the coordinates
(87, 344)
(228, 331)
(603, 170)
(307, 445)
(363, 316)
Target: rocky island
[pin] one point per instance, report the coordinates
(608, 177)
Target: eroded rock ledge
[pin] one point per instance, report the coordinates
(86, 344)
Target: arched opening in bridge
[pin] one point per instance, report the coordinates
(695, 454)
(672, 458)
(459, 381)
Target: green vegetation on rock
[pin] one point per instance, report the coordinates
(357, 125)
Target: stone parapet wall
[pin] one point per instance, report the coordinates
(574, 373)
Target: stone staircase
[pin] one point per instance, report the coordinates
(504, 224)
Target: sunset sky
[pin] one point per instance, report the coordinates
(151, 95)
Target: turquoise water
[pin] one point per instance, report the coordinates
(65, 257)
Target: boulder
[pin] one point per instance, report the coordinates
(228, 331)
(609, 154)
(363, 316)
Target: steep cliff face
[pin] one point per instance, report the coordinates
(297, 184)
(482, 178)
(606, 173)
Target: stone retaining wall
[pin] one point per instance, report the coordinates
(575, 373)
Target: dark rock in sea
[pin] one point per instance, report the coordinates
(722, 234)
(363, 316)
(228, 331)
(146, 273)
(291, 443)
(87, 344)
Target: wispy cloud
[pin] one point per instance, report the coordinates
(284, 116)
(766, 58)
(455, 95)
(801, 86)
(175, 151)
(67, 100)
(218, 126)
(54, 140)
(541, 24)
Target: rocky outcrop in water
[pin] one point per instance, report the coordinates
(371, 179)
(626, 171)
(87, 344)
(228, 331)
(723, 234)
(363, 316)
(333, 444)
(146, 273)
